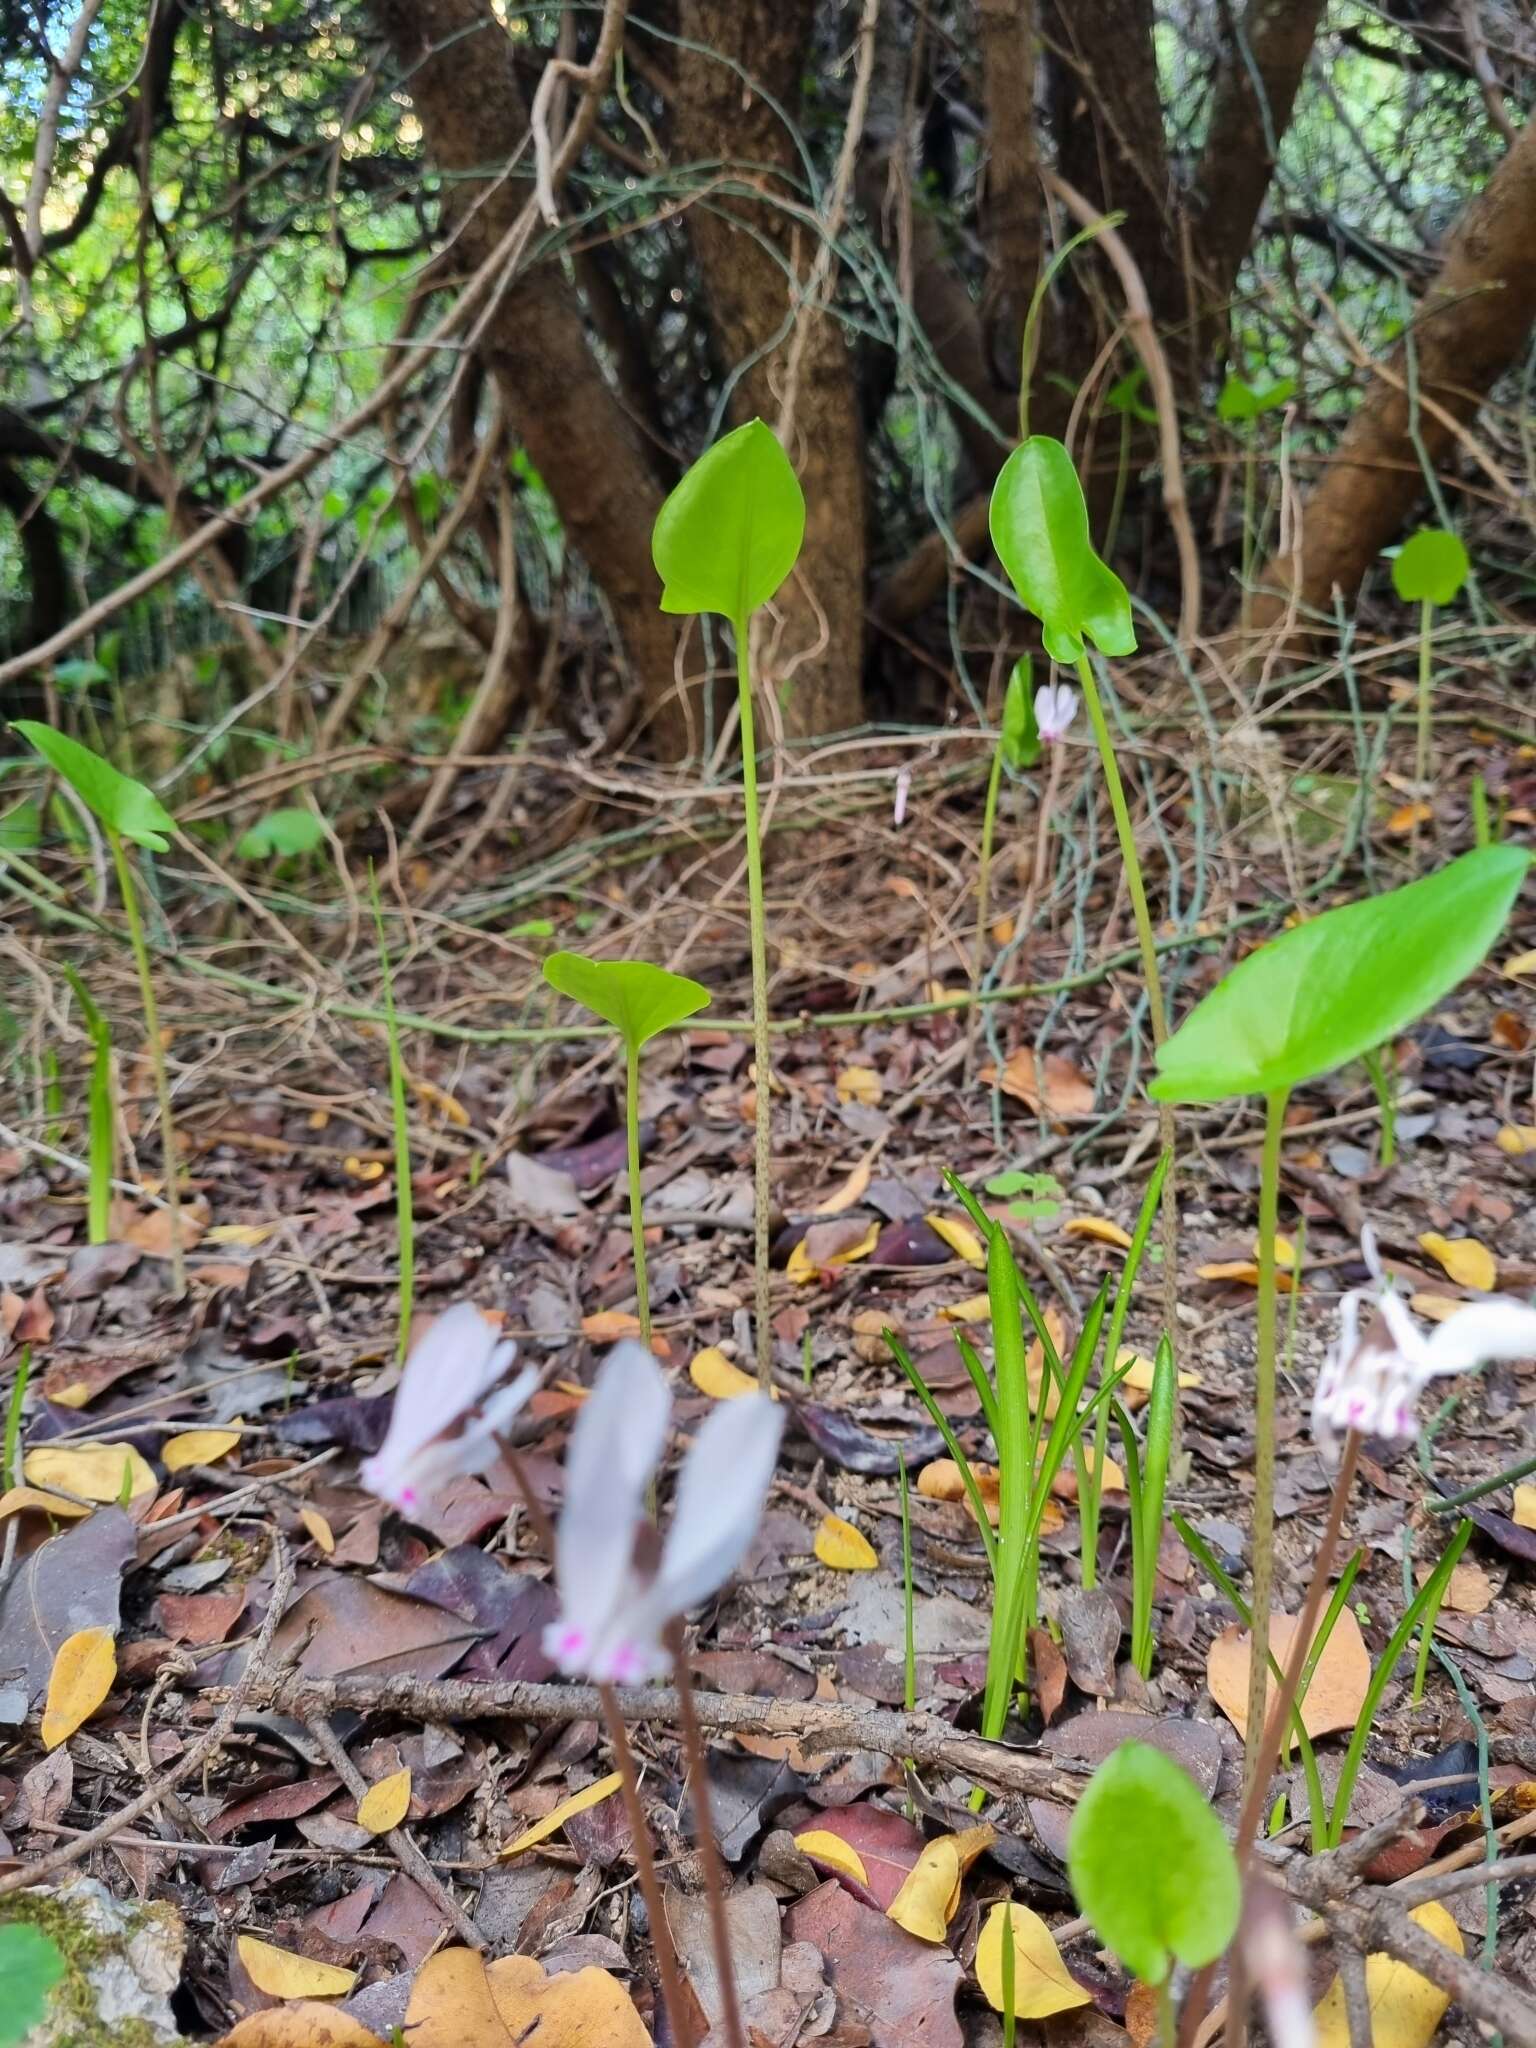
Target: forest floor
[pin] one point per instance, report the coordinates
(886, 1075)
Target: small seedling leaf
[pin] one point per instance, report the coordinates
(1430, 567)
(1041, 1982)
(1020, 741)
(1151, 1866)
(1328, 991)
(82, 1676)
(30, 1966)
(1039, 523)
(281, 835)
(731, 531)
(122, 804)
(637, 999)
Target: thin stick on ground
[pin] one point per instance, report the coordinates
(709, 1849)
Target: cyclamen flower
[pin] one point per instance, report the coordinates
(446, 1418)
(1371, 1382)
(1055, 709)
(903, 791)
(617, 1596)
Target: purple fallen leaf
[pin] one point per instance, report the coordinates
(598, 1160)
(511, 1606)
(1090, 1636)
(886, 1843)
(71, 1582)
(1509, 1536)
(901, 1989)
(911, 1241)
(356, 1420)
(847, 1443)
(1089, 1738)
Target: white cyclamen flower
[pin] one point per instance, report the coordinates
(616, 1601)
(1055, 709)
(1371, 1380)
(446, 1416)
(903, 791)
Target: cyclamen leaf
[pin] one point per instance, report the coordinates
(1332, 989)
(637, 999)
(283, 833)
(124, 805)
(30, 1966)
(1151, 1866)
(1430, 566)
(1039, 524)
(730, 532)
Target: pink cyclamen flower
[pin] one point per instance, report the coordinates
(1277, 1966)
(616, 1601)
(447, 1414)
(1371, 1382)
(1055, 709)
(903, 791)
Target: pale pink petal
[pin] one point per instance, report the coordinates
(1481, 1331)
(447, 1373)
(719, 1505)
(616, 1442)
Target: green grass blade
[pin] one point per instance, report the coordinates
(952, 1444)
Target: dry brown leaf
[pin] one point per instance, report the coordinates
(608, 1325)
(1101, 1229)
(305, 2024)
(579, 2009)
(1052, 1084)
(1339, 1684)
(860, 1084)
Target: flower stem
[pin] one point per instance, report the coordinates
(636, 1214)
(984, 888)
(1264, 1440)
(168, 1148)
(672, 1995)
(1147, 942)
(1386, 1096)
(762, 1154)
(1426, 656)
(709, 1849)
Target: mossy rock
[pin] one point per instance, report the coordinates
(122, 1961)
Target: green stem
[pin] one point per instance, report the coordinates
(1122, 474)
(762, 1154)
(1147, 943)
(910, 1693)
(1250, 492)
(1383, 1083)
(405, 1216)
(1264, 1432)
(1507, 1477)
(636, 1214)
(1167, 2022)
(984, 876)
(168, 1147)
(1426, 653)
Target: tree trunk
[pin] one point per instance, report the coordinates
(1469, 327)
(458, 67)
(1013, 210)
(737, 59)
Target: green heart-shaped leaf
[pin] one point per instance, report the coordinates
(1431, 565)
(124, 805)
(1125, 396)
(731, 531)
(1021, 734)
(1039, 527)
(282, 833)
(1240, 401)
(30, 1966)
(1332, 989)
(637, 999)
(1151, 1866)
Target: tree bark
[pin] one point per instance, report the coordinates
(459, 70)
(738, 58)
(1012, 209)
(1469, 327)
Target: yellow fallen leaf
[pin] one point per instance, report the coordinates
(197, 1447)
(1285, 1252)
(439, 1099)
(970, 1844)
(1102, 1230)
(1003, 929)
(1517, 1140)
(1469, 1262)
(976, 1308)
(1338, 1686)
(608, 1325)
(319, 1529)
(714, 1374)
(20, 1497)
(1042, 1984)
(94, 1471)
(239, 1233)
(1406, 2009)
(363, 1169)
(385, 1804)
(859, 1084)
(1407, 816)
(941, 1480)
(573, 2009)
(300, 2025)
(1247, 1271)
(823, 1847)
(81, 1678)
(922, 1904)
(552, 1823)
(960, 1238)
(1523, 963)
(280, 1974)
(802, 1267)
(1111, 1478)
(1140, 1373)
(840, 1546)
(1435, 1308)
(851, 1191)
(1525, 1507)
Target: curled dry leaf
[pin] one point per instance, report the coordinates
(859, 1084)
(81, 1678)
(1468, 1261)
(1246, 1271)
(830, 1852)
(553, 1822)
(1339, 1684)
(842, 1548)
(608, 1325)
(304, 2024)
(1041, 1982)
(922, 1906)
(960, 1238)
(385, 1804)
(1101, 1229)
(94, 1471)
(1406, 2009)
(976, 1308)
(198, 1447)
(851, 1190)
(941, 1480)
(714, 1374)
(281, 1974)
